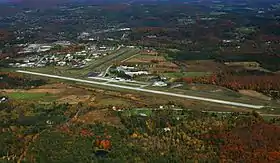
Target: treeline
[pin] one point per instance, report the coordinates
(13, 80)
(68, 49)
(267, 84)
(251, 139)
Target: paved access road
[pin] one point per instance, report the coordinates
(146, 90)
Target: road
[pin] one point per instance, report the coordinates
(147, 90)
(114, 80)
(106, 71)
(216, 112)
(130, 57)
(107, 80)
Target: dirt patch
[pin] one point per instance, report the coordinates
(103, 116)
(74, 99)
(255, 94)
(51, 91)
(54, 86)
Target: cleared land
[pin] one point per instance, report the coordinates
(201, 66)
(153, 63)
(185, 74)
(247, 65)
(27, 96)
(96, 116)
(254, 94)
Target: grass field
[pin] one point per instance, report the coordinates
(30, 96)
(185, 74)
(113, 102)
(201, 66)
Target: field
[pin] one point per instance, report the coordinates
(27, 96)
(185, 74)
(61, 93)
(153, 63)
(99, 116)
(201, 65)
(246, 65)
(254, 94)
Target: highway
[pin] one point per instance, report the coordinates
(230, 103)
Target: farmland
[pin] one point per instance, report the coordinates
(154, 63)
(27, 96)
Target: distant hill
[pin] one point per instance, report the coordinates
(50, 3)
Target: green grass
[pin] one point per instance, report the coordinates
(185, 74)
(29, 96)
(113, 102)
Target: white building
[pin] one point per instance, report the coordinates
(127, 67)
(62, 63)
(136, 73)
(44, 48)
(159, 84)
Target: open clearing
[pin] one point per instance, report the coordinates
(103, 116)
(185, 74)
(27, 96)
(247, 65)
(155, 64)
(201, 66)
(255, 94)
(74, 99)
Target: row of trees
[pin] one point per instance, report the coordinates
(251, 140)
(15, 80)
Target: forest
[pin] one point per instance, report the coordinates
(51, 133)
(15, 80)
